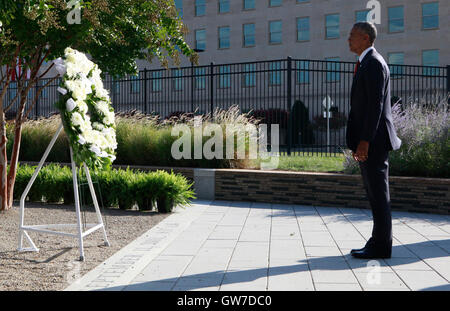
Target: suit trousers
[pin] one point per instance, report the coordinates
(375, 174)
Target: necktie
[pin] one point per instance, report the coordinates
(356, 67)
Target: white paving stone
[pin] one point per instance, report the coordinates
(380, 281)
(338, 287)
(422, 280)
(240, 246)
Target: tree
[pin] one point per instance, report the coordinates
(115, 33)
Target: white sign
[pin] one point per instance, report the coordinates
(374, 15)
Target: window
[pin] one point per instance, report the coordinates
(224, 37)
(179, 6)
(200, 7)
(430, 58)
(396, 59)
(156, 81)
(275, 75)
(302, 67)
(396, 19)
(200, 78)
(332, 26)
(249, 4)
(275, 2)
(430, 15)
(135, 84)
(250, 75)
(177, 81)
(303, 29)
(224, 77)
(361, 16)
(249, 35)
(275, 32)
(200, 39)
(224, 6)
(333, 68)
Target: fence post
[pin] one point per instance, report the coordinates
(145, 91)
(448, 80)
(192, 87)
(211, 88)
(289, 103)
(36, 108)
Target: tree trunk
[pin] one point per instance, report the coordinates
(14, 160)
(3, 164)
(11, 178)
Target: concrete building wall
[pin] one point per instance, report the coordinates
(412, 41)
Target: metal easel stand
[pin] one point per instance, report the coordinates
(48, 228)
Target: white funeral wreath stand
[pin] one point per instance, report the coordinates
(80, 75)
(51, 229)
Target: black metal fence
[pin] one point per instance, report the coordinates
(309, 99)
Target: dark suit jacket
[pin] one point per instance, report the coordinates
(370, 116)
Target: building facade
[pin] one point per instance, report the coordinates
(413, 32)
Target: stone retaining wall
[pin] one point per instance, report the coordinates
(431, 195)
(412, 194)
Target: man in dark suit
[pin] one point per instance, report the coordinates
(371, 135)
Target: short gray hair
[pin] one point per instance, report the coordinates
(368, 28)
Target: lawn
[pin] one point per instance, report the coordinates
(312, 163)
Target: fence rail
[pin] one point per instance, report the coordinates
(293, 93)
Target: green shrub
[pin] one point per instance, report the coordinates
(172, 190)
(122, 188)
(146, 187)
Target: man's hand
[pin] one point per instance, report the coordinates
(362, 151)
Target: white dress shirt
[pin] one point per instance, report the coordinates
(361, 57)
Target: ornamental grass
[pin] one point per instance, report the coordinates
(424, 128)
(142, 139)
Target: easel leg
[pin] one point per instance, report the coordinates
(77, 205)
(27, 189)
(94, 199)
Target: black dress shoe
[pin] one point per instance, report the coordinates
(371, 253)
(368, 244)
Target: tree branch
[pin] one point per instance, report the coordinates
(46, 71)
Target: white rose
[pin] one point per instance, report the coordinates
(70, 84)
(95, 149)
(102, 92)
(102, 107)
(62, 90)
(89, 136)
(70, 104)
(77, 119)
(98, 126)
(81, 140)
(109, 118)
(71, 58)
(79, 93)
(69, 50)
(81, 104)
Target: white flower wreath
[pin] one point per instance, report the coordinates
(92, 136)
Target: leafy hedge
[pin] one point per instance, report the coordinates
(114, 188)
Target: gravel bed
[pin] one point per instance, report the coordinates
(54, 266)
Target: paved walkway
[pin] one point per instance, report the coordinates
(221, 245)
